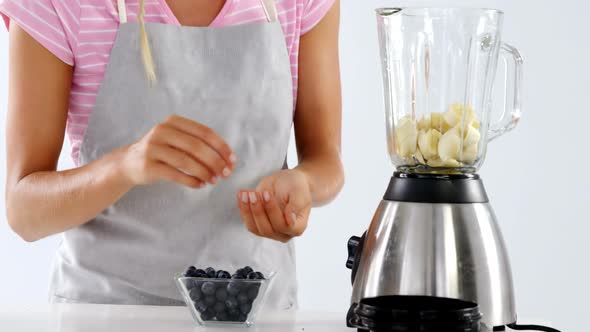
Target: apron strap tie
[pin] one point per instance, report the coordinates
(270, 9)
(122, 11)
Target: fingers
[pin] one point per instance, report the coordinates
(196, 148)
(274, 212)
(195, 152)
(287, 221)
(246, 213)
(255, 216)
(174, 175)
(259, 215)
(182, 162)
(296, 213)
(265, 226)
(204, 133)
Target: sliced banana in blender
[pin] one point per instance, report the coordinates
(451, 163)
(449, 145)
(424, 122)
(428, 143)
(437, 121)
(434, 120)
(469, 154)
(440, 163)
(454, 116)
(406, 135)
(471, 136)
(436, 139)
(476, 124)
(434, 162)
(470, 144)
(419, 158)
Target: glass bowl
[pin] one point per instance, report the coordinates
(214, 301)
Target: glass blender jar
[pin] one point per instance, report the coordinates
(439, 67)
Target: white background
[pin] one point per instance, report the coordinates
(536, 176)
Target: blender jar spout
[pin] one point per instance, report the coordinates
(388, 11)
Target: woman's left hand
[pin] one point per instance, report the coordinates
(279, 208)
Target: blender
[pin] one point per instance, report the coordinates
(434, 234)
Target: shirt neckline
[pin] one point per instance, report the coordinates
(172, 19)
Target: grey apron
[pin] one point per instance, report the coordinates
(236, 80)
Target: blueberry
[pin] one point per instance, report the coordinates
(190, 272)
(208, 288)
(210, 300)
(242, 298)
(242, 318)
(240, 271)
(221, 294)
(201, 307)
(195, 294)
(245, 308)
(211, 273)
(247, 269)
(234, 314)
(233, 288)
(189, 284)
(219, 307)
(200, 273)
(252, 276)
(223, 275)
(207, 315)
(222, 316)
(237, 276)
(260, 275)
(198, 284)
(253, 293)
(231, 303)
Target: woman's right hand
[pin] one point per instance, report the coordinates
(178, 150)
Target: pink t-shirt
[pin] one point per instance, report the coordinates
(81, 33)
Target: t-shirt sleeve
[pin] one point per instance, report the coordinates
(52, 23)
(313, 13)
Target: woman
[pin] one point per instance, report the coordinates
(179, 116)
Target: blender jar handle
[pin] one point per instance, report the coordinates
(512, 113)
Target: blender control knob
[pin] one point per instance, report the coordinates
(353, 244)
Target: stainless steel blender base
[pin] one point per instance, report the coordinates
(443, 250)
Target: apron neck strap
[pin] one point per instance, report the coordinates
(122, 11)
(270, 9)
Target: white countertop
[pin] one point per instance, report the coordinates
(126, 318)
(130, 318)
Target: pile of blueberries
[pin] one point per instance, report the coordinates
(224, 298)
